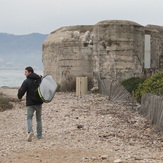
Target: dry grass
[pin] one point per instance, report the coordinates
(4, 103)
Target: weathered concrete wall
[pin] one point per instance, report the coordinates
(156, 33)
(67, 52)
(109, 49)
(118, 49)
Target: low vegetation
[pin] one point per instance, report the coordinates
(153, 85)
(141, 86)
(132, 84)
(5, 103)
(70, 84)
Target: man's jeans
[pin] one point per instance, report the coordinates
(30, 112)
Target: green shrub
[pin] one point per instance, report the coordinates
(69, 84)
(90, 82)
(58, 88)
(5, 103)
(132, 84)
(154, 85)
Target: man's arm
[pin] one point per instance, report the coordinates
(22, 90)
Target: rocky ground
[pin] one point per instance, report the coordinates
(85, 129)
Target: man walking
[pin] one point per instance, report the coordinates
(33, 104)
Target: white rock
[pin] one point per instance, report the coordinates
(118, 161)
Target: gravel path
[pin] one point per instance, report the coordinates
(86, 129)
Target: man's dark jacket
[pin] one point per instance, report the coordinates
(27, 86)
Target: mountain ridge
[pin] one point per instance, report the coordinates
(18, 51)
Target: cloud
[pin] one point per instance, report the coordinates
(1, 60)
(10, 63)
(45, 16)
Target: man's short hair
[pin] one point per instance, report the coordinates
(29, 69)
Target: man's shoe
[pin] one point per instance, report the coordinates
(39, 137)
(30, 135)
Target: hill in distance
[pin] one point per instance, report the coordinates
(20, 51)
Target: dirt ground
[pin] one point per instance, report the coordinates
(85, 129)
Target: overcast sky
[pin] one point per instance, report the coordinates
(44, 16)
